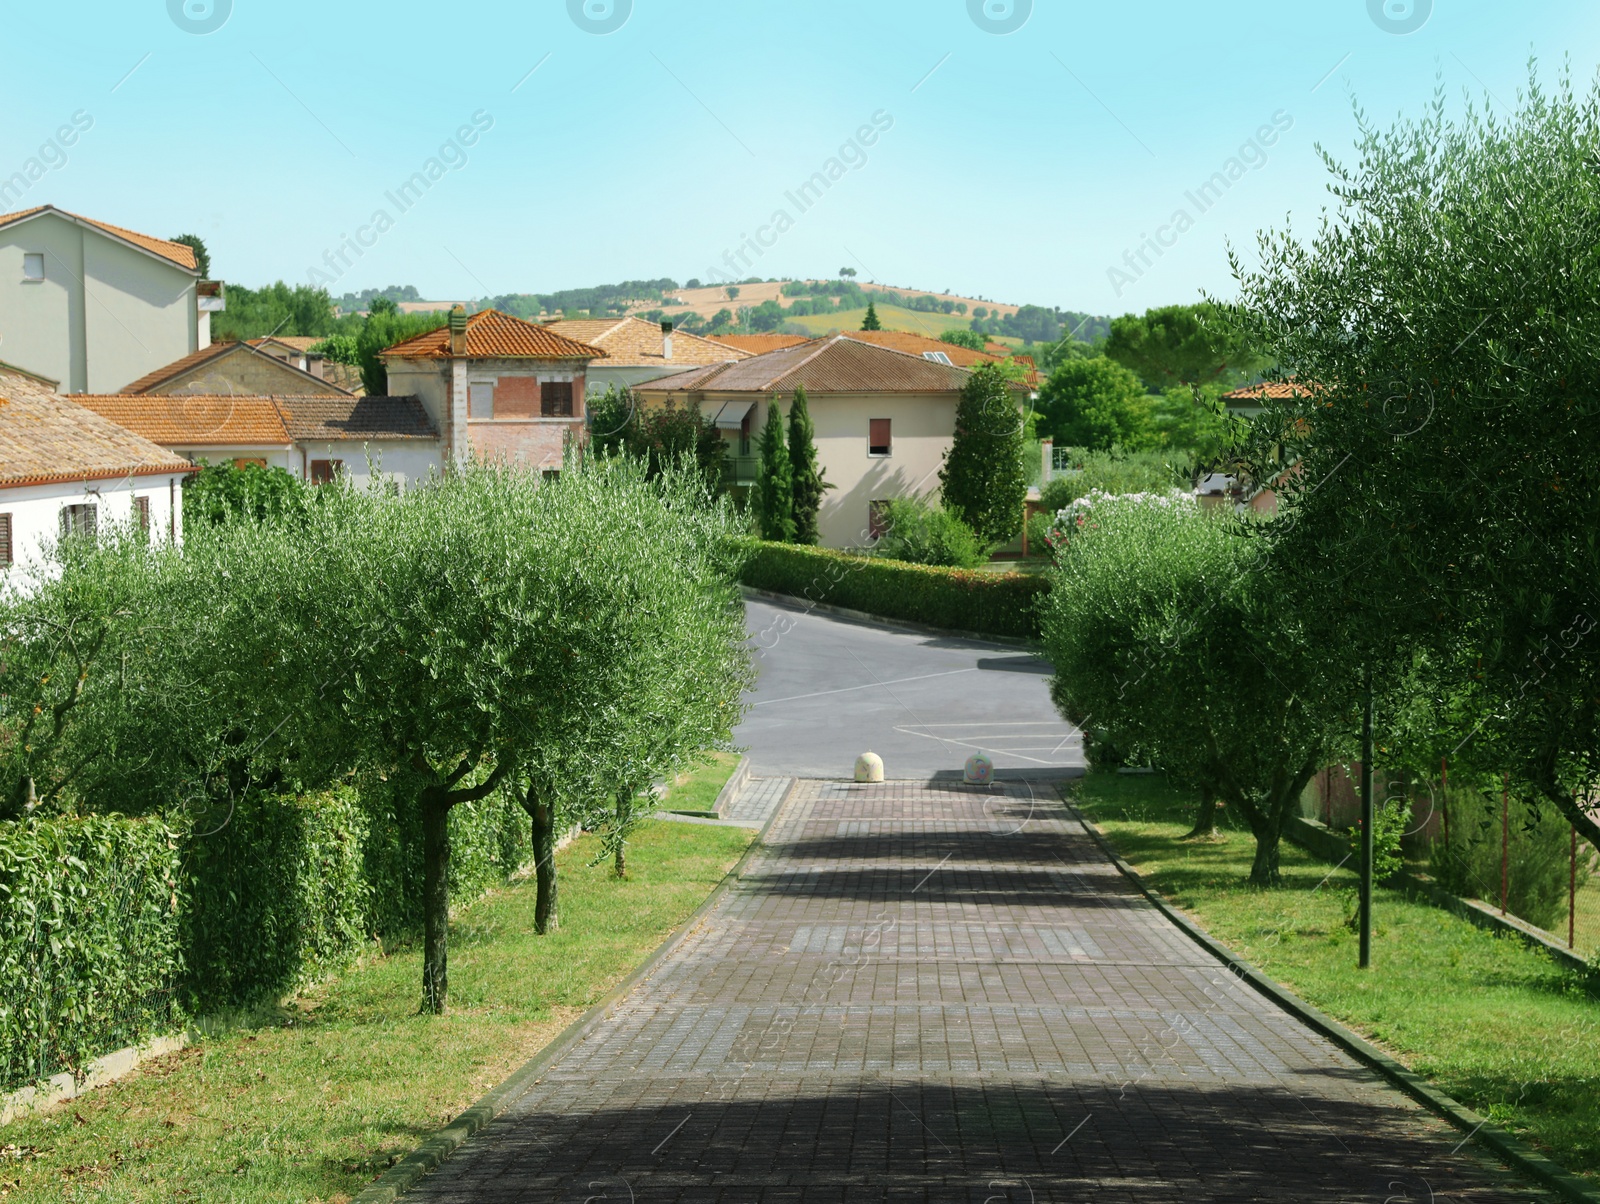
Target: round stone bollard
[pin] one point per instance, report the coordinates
(869, 767)
(979, 770)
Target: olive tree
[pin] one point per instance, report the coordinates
(1443, 327)
(1168, 639)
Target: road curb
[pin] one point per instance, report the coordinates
(1510, 1149)
(429, 1156)
(733, 787)
(861, 616)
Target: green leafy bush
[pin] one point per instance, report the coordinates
(919, 533)
(1114, 471)
(89, 948)
(219, 492)
(1538, 847)
(961, 599)
(276, 894)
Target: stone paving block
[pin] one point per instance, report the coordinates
(928, 992)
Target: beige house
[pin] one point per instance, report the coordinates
(243, 368)
(96, 306)
(496, 387)
(639, 351)
(884, 420)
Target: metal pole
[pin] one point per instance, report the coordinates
(1366, 828)
(1444, 775)
(1572, 891)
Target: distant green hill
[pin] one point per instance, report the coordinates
(892, 317)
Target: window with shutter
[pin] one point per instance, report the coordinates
(5, 540)
(555, 399)
(141, 513)
(877, 436)
(79, 519)
(323, 471)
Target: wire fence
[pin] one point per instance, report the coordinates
(1489, 838)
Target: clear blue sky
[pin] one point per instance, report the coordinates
(1019, 167)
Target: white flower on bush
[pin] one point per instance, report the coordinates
(1097, 504)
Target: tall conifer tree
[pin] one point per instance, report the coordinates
(774, 495)
(807, 482)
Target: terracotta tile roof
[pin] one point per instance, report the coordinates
(839, 364)
(358, 419)
(152, 381)
(759, 344)
(46, 437)
(1268, 390)
(997, 348)
(918, 344)
(635, 343)
(172, 252)
(495, 335)
(12, 370)
(295, 342)
(190, 420)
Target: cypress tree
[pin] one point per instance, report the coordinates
(982, 479)
(807, 481)
(870, 322)
(774, 495)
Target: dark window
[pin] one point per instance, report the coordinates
(877, 519)
(555, 399)
(5, 539)
(550, 474)
(323, 471)
(877, 436)
(744, 433)
(141, 513)
(80, 519)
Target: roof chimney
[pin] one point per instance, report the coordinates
(314, 365)
(666, 339)
(458, 330)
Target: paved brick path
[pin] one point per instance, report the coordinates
(936, 993)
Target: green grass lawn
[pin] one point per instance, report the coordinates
(1499, 1026)
(892, 317)
(697, 789)
(312, 1099)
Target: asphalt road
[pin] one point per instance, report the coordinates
(833, 688)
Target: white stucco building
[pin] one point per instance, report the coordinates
(96, 306)
(65, 468)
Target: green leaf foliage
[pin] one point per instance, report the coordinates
(1443, 327)
(983, 480)
(919, 533)
(957, 599)
(89, 940)
(219, 492)
(1170, 644)
(1095, 404)
(774, 492)
(806, 480)
(1186, 345)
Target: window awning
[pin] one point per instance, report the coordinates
(732, 415)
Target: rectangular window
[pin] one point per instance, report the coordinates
(480, 401)
(550, 474)
(877, 436)
(744, 433)
(33, 265)
(141, 514)
(80, 519)
(877, 519)
(323, 471)
(555, 399)
(938, 357)
(5, 540)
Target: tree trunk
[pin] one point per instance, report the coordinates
(624, 801)
(1205, 821)
(546, 916)
(1264, 868)
(435, 899)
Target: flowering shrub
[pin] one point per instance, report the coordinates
(1092, 507)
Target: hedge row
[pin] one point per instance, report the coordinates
(112, 928)
(960, 599)
(89, 940)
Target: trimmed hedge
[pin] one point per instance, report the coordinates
(276, 895)
(959, 599)
(89, 940)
